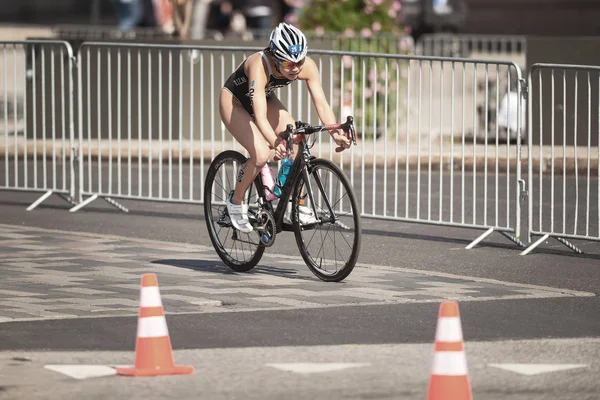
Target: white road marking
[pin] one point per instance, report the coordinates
(536, 369)
(311, 368)
(83, 371)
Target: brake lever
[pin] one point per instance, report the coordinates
(289, 131)
(348, 126)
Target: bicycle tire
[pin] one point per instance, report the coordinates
(345, 207)
(221, 232)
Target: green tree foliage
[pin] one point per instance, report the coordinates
(365, 16)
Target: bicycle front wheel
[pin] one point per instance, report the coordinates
(239, 251)
(329, 242)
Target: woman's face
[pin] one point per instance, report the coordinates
(289, 69)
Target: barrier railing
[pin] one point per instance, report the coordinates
(149, 126)
(36, 97)
(564, 116)
(439, 138)
(506, 47)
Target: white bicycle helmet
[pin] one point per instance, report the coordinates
(288, 43)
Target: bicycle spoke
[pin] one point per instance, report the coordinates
(238, 251)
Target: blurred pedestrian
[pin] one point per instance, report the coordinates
(289, 10)
(132, 14)
(182, 17)
(220, 14)
(163, 11)
(259, 16)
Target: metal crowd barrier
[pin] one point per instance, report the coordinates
(564, 189)
(439, 138)
(36, 122)
(509, 47)
(149, 127)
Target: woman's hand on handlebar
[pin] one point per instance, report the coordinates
(342, 141)
(280, 149)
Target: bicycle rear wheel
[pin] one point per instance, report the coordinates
(329, 246)
(239, 251)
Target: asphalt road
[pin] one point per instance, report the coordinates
(70, 283)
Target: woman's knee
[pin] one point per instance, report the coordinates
(262, 156)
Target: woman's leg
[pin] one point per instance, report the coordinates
(239, 123)
(279, 117)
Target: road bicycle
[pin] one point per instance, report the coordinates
(329, 242)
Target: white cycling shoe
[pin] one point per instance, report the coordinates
(238, 214)
(305, 215)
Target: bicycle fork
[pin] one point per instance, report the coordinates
(306, 176)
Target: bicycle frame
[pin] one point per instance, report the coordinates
(296, 171)
(300, 166)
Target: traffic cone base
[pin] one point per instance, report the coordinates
(450, 388)
(158, 371)
(449, 378)
(153, 352)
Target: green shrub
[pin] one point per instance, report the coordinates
(369, 26)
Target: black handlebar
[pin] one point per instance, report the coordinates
(307, 129)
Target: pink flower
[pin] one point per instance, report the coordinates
(396, 5)
(349, 32)
(290, 19)
(377, 2)
(404, 44)
(319, 30)
(371, 75)
(392, 13)
(368, 93)
(376, 26)
(347, 61)
(368, 9)
(366, 32)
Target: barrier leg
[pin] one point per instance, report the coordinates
(512, 238)
(84, 203)
(40, 200)
(480, 238)
(570, 245)
(115, 204)
(536, 244)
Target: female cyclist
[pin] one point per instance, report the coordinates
(254, 115)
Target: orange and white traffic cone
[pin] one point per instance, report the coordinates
(449, 379)
(153, 352)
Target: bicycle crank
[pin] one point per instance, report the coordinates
(265, 226)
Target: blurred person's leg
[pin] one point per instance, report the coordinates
(289, 11)
(182, 18)
(259, 20)
(148, 14)
(200, 15)
(129, 14)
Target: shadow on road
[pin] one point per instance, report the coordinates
(106, 209)
(218, 267)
